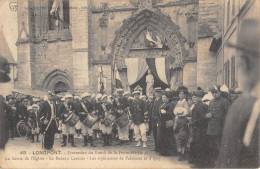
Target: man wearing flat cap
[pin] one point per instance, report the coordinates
(48, 112)
(240, 141)
(216, 114)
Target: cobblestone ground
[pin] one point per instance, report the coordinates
(20, 153)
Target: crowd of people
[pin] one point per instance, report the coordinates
(180, 122)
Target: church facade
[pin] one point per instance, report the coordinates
(85, 45)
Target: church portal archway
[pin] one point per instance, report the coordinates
(132, 41)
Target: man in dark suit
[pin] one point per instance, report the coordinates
(48, 117)
(155, 114)
(217, 111)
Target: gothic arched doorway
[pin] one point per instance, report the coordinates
(57, 80)
(149, 34)
(60, 87)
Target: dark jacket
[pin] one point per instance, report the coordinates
(168, 107)
(45, 114)
(218, 108)
(233, 153)
(138, 109)
(155, 110)
(199, 122)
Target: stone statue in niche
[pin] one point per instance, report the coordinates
(149, 83)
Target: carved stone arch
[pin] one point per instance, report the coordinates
(55, 77)
(137, 23)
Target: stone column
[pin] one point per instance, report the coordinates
(24, 46)
(80, 40)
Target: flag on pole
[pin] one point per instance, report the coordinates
(118, 82)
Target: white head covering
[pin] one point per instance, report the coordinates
(76, 97)
(68, 96)
(99, 95)
(126, 93)
(84, 95)
(104, 96)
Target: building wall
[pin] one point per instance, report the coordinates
(190, 76)
(209, 24)
(206, 65)
(77, 53)
(242, 9)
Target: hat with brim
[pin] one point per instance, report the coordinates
(180, 111)
(158, 89)
(247, 38)
(119, 90)
(198, 93)
(86, 94)
(136, 92)
(68, 96)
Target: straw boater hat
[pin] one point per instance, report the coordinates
(180, 111)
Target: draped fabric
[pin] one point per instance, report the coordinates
(142, 68)
(132, 69)
(136, 68)
(160, 68)
(152, 67)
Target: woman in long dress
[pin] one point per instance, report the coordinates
(166, 141)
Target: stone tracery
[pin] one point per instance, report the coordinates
(129, 34)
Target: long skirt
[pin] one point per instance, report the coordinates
(166, 141)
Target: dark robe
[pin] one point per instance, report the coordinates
(198, 149)
(166, 141)
(50, 128)
(233, 153)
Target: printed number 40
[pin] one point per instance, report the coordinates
(23, 152)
